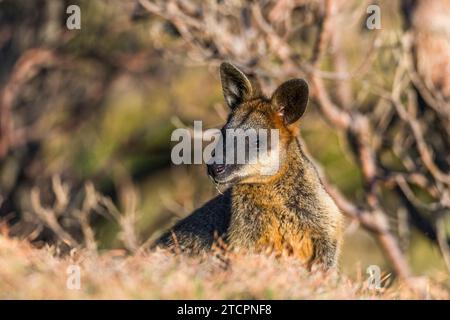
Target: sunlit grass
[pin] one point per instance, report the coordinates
(29, 273)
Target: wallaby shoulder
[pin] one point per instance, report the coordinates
(197, 232)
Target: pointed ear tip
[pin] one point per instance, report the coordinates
(293, 84)
(302, 82)
(226, 66)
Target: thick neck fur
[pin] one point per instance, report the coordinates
(292, 202)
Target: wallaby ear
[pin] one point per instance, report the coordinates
(290, 99)
(236, 86)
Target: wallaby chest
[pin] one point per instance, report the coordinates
(262, 220)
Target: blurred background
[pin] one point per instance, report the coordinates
(91, 111)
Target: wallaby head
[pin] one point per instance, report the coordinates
(252, 111)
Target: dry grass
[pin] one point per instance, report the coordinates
(27, 272)
(30, 273)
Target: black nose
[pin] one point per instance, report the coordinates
(216, 169)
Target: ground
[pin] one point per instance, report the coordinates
(30, 273)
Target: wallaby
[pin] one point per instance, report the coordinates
(288, 211)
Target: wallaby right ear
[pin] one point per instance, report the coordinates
(236, 86)
(290, 100)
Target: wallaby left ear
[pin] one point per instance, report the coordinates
(236, 86)
(290, 99)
